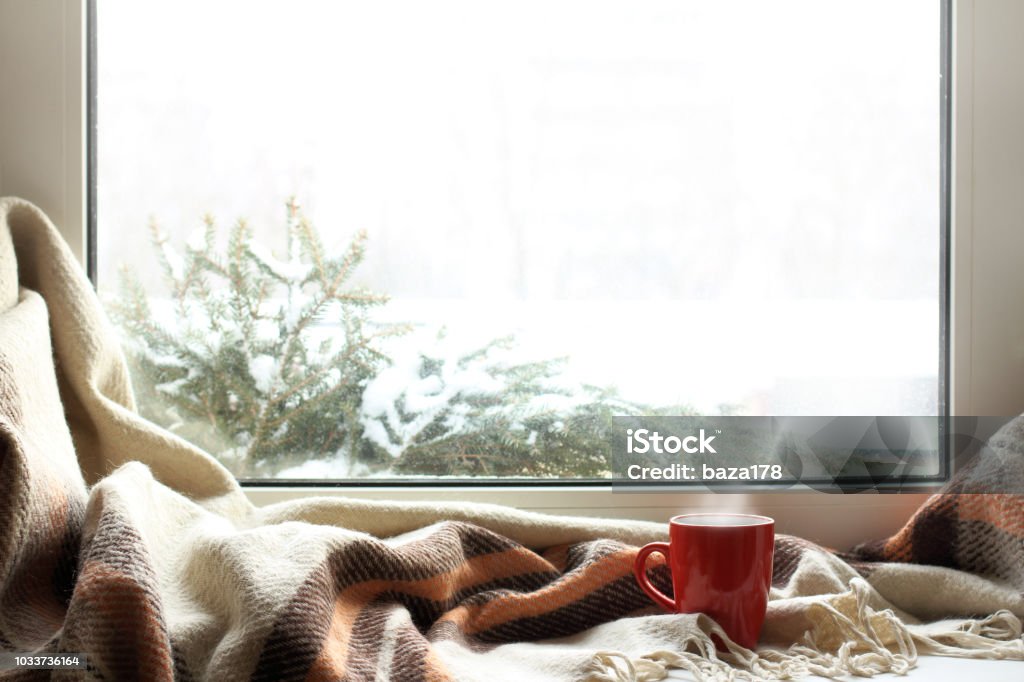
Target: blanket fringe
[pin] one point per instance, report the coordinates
(874, 642)
(998, 637)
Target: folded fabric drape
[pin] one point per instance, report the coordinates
(122, 541)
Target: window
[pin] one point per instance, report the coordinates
(575, 209)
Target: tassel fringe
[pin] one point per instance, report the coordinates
(873, 642)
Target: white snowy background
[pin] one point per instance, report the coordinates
(730, 202)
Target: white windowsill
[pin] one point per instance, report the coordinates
(838, 521)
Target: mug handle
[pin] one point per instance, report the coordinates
(640, 571)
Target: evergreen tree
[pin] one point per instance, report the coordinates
(240, 370)
(484, 413)
(272, 363)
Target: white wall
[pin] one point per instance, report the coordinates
(988, 334)
(42, 109)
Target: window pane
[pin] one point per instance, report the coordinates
(577, 209)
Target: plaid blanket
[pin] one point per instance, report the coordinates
(120, 541)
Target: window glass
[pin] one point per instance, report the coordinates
(454, 238)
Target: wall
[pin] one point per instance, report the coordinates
(988, 334)
(42, 104)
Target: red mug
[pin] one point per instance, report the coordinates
(721, 566)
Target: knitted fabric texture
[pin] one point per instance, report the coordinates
(119, 540)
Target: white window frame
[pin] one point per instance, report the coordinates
(43, 158)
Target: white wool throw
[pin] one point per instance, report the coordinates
(120, 540)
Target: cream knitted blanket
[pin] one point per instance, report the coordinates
(123, 542)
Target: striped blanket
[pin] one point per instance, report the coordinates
(122, 542)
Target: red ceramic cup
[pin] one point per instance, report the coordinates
(721, 566)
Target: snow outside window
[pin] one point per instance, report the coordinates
(454, 238)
